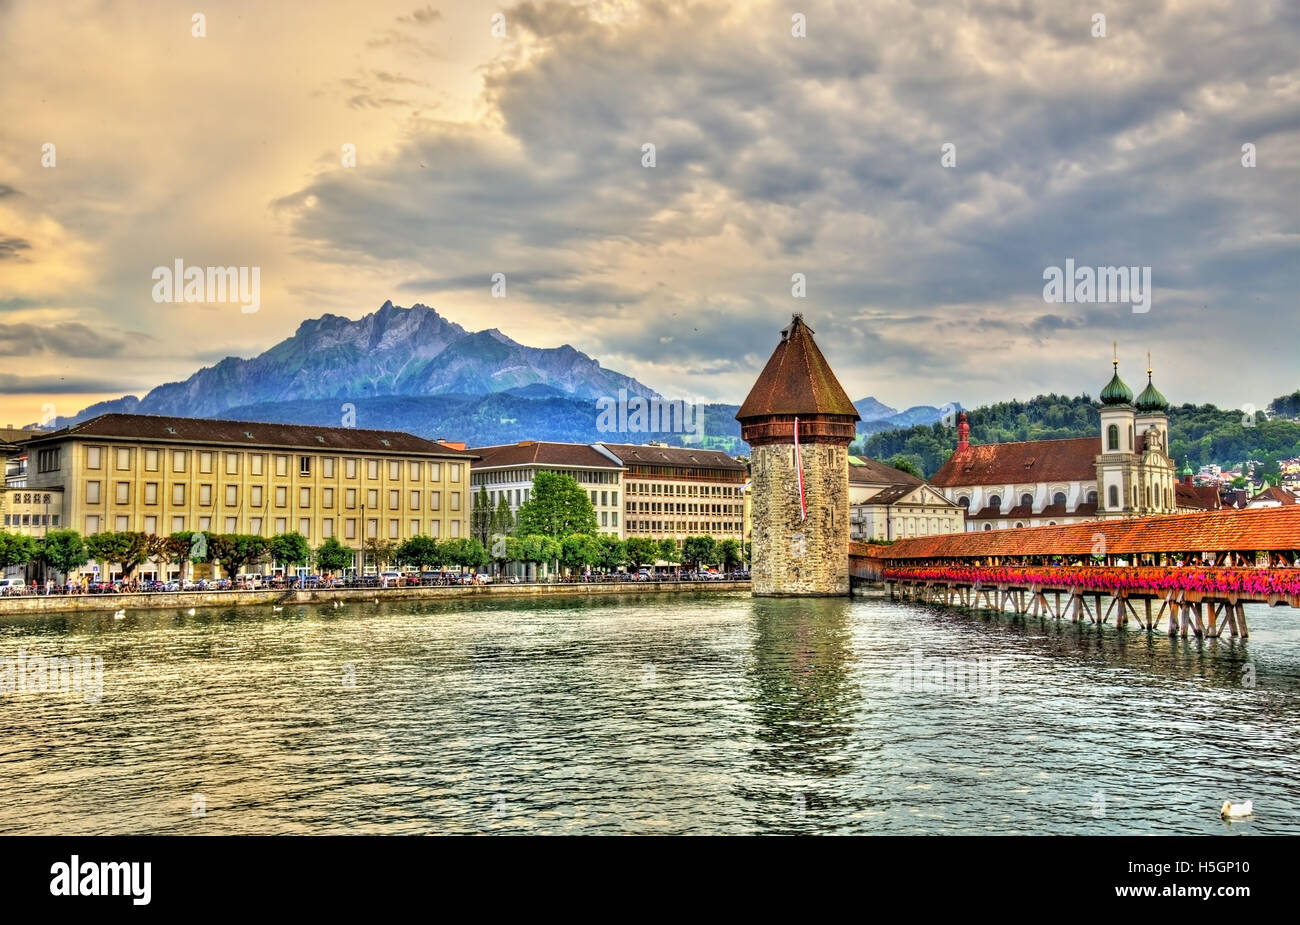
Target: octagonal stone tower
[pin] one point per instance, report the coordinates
(800, 505)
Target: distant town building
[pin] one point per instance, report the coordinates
(1125, 473)
(163, 475)
(675, 492)
(508, 471)
(888, 504)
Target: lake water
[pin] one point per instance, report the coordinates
(668, 714)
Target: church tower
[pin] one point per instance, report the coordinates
(1117, 494)
(1156, 470)
(799, 423)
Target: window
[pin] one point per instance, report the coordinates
(255, 496)
(995, 501)
(394, 469)
(435, 528)
(93, 454)
(988, 526)
(394, 528)
(205, 524)
(394, 499)
(455, 528)
(415, 501)
(1092, 497)
(455, 471)
(255, 526)
(1027, 499)
(327, 468)
(281, 496)
(150, 492)
(304, 465)
(151, 460)
(372, 498)
(350, 528)
(1059, 498)
(232, 464)
(372, 468)
(327, 527)
(455, 500)
(205, 462)
(281, 525)
(282, 467)
(415, 471)
(255, 463)
(327, 498)
(179, 460)
(304, 497)
(1112, 437)
(350, 498)
(372, 528)
(232, 524)
(232, 496)
(121, 523)
(1112, 497)
(205, 496)
(435, 471)
(435, 500)
(123, 459)
(178, 524)
(122, 493)
(350, 468)
(964, 501)
(92, 523)
(151, 525)
(304, 526)
(92, 492)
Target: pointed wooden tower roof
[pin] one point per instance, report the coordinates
(797, 382)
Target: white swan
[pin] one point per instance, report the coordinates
(190, 612)
(276, 609)
(1237, 810)
(119, 614)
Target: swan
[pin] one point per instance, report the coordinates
(1237, 810)
(190, 612)
(119, 614)
(276, 609)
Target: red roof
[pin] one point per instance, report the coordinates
(1260, 529)
(1203, 497)
(868, 471)
(541, 453)
(1273, 493)
(1069, 460)
(797, 380)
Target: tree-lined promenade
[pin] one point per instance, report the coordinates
(555, 535)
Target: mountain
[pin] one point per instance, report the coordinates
(392, 352)
(872, 410)
(877, 416)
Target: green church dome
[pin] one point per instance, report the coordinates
(1116, 392)
(1151, 400)
(1187, 467)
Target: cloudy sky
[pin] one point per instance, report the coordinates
(775, 155)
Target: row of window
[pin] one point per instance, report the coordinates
(1026, 500)
(1112, 497)
(393, 525)
(662, 507)
(123, 459)
(28, 497)
(31, 520)
(280, 494)
(690, 490)
(581, 476)
(682, 526)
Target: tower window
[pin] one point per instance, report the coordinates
(1027, 499)
(1112, 437)
(1059, 498)
(1112, 496)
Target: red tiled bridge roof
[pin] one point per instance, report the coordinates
(1263, 529)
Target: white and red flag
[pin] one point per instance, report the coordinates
(798, 466)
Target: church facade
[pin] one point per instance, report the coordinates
(1124, 471)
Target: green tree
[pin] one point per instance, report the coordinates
(537, 549)
(613, 553)
(911, 464)
(557, 507)
(379, 552)
(17, 549)
(503, 521)
(289, 549)
(332, 556)
(128, 549)
(640, 550)
(420, 551)
(697, 550)
(480, 517)
(467, 552)
(669, 551)
(730, 553)
(237, 551)
(579, 550)
(63, 550)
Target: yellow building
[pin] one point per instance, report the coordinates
(676, 492)
(163, 475)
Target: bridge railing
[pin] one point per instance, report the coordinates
(1260, 582)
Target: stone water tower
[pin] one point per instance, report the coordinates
(799, 423)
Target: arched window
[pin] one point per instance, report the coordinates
(1092, 497)
(988, 526)
(1112, 437)
(1027, 499)
(1019, 525)
(1059, 498)
(1168, 506)
(964, 501)
(995, 501)
(1051, 523)
(1112, 497)
(1148, 496)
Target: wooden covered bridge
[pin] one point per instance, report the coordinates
(1198, 569)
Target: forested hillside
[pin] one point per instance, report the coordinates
(1199, 433)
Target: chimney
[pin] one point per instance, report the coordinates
(963, 433)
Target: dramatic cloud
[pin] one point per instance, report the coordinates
(773, 155)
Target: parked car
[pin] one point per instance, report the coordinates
(12, 586)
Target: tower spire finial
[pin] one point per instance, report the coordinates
(1114, 346)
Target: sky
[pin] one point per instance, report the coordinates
(511, 140)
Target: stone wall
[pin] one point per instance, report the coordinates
(184, 600)
(794, 557)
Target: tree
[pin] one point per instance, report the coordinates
(730, 553)
(640, 550)
(379, 551)
(503, 521)
(613, 553)
(668, 550)
(538, 549)
(697, 550)
(480, 518)
(465, 552)
(557, 507)
(63, 550)
(237, 551)
(332, 556)
(289, 549)
(421, 551)
(911, 464)
(17, 549)
(130, 550)
(579, 550)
